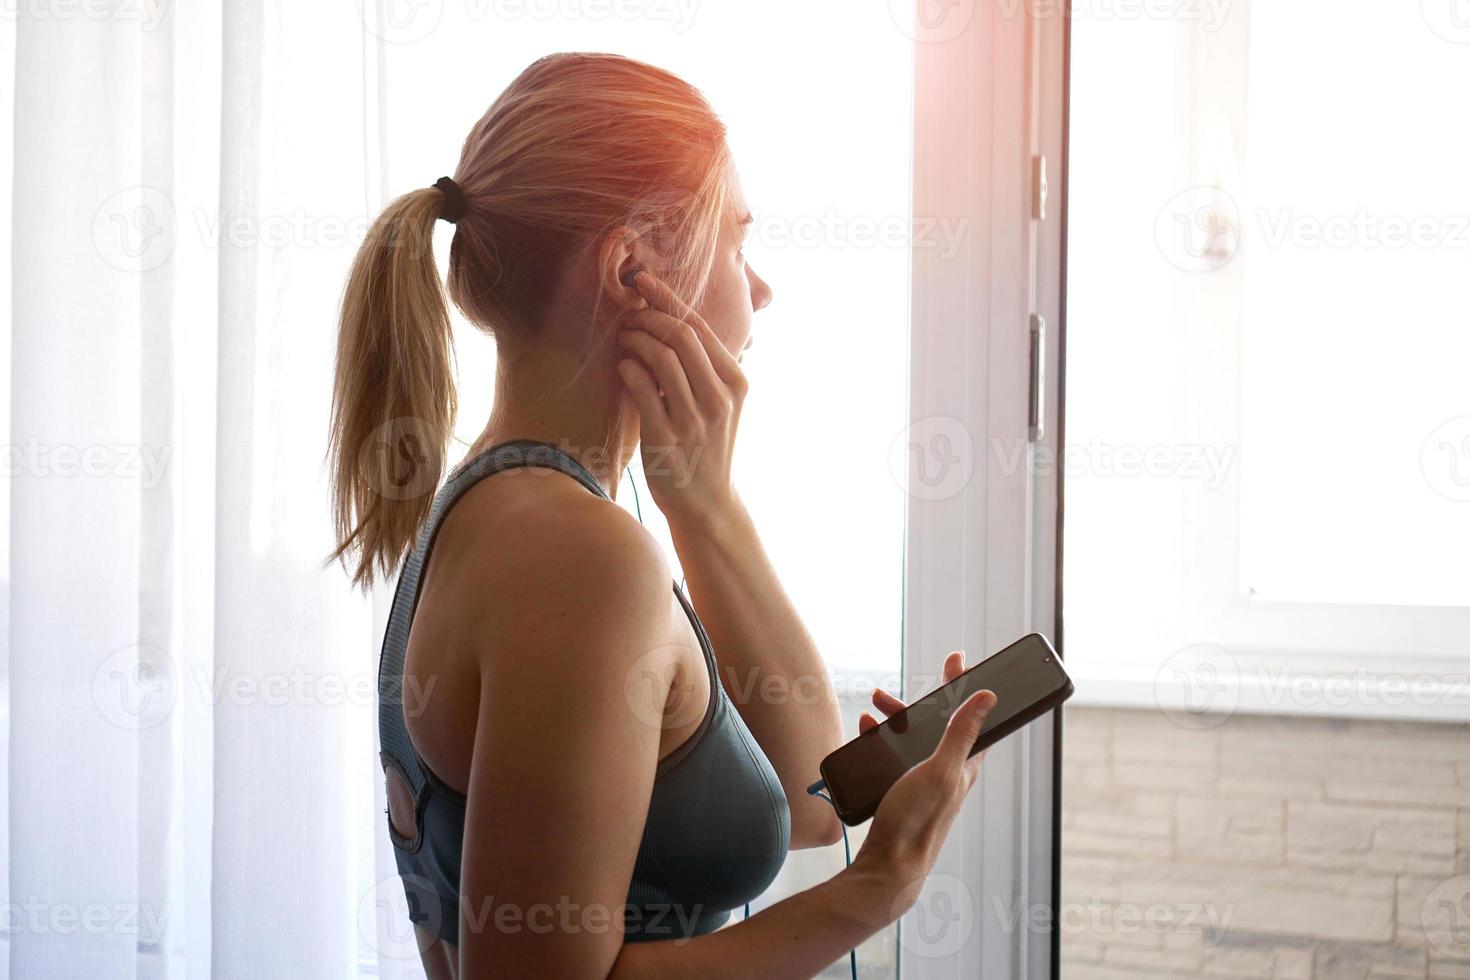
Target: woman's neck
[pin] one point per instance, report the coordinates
(539, 395)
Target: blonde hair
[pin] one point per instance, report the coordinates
(577, 145)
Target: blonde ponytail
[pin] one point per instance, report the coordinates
(393, 400)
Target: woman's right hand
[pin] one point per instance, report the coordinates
(914, 818)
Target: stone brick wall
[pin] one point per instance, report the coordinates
(1264, 847)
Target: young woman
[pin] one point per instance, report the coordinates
(569, 776)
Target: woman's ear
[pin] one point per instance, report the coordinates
(618, 261)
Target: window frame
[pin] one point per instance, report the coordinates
(982, 561)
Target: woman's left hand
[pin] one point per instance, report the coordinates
(954, 666)
(689, 390)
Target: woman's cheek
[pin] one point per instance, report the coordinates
(722, 319)
(727, 305)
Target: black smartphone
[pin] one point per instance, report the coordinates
(1028, 680)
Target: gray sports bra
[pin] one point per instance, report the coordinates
(718, 824)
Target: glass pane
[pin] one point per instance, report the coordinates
(1356, 429)
(822, 145)
(1122, 528)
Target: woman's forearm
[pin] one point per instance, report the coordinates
(796, 938)
(769, 664)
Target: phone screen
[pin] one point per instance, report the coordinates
(1028, 680)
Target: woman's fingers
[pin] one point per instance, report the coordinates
(652, 412)
(963, 730)
(887, 703)
(865, 722)
(667, 367)
(954, 666)
(684, 340)
(663, 299)
(680, 338)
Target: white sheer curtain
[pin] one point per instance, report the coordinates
(191, 785)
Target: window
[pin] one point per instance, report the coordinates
(1268, 439)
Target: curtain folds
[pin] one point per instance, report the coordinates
(192, 786)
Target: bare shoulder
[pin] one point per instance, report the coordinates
(533, 557)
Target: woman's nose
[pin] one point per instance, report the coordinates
(760, 290)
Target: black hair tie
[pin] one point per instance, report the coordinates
(453, 200)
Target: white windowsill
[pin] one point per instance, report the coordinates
(1265, 683)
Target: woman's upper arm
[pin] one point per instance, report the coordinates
(564, 756)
